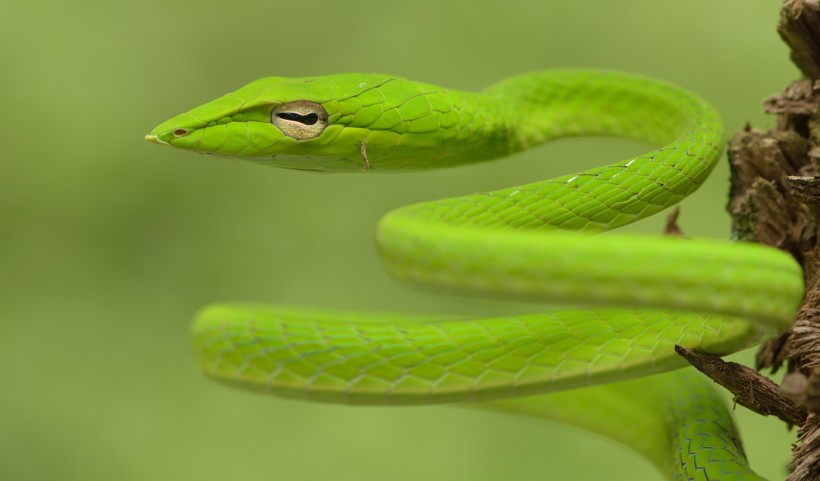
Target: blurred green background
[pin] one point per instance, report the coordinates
(108, 244)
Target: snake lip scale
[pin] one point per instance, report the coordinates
(610, 368)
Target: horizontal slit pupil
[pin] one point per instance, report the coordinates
(308, 119)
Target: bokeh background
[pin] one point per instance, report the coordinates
(109, 244)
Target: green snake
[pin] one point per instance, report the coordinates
(536, 241)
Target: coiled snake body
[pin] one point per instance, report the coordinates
(532, 241)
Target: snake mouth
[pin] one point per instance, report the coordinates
(155, 139)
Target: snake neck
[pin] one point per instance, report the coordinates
(542, 106)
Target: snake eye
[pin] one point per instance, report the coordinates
(301, 119)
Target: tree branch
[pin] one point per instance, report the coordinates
(750, 388)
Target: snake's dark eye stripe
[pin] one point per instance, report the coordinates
(308, 119)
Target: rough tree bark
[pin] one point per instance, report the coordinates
(775, 200)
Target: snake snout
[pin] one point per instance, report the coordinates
(155, 139)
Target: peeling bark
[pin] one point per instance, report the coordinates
(775, 200)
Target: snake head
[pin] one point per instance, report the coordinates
(330, 123)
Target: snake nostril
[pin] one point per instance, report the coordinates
(180, 133)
